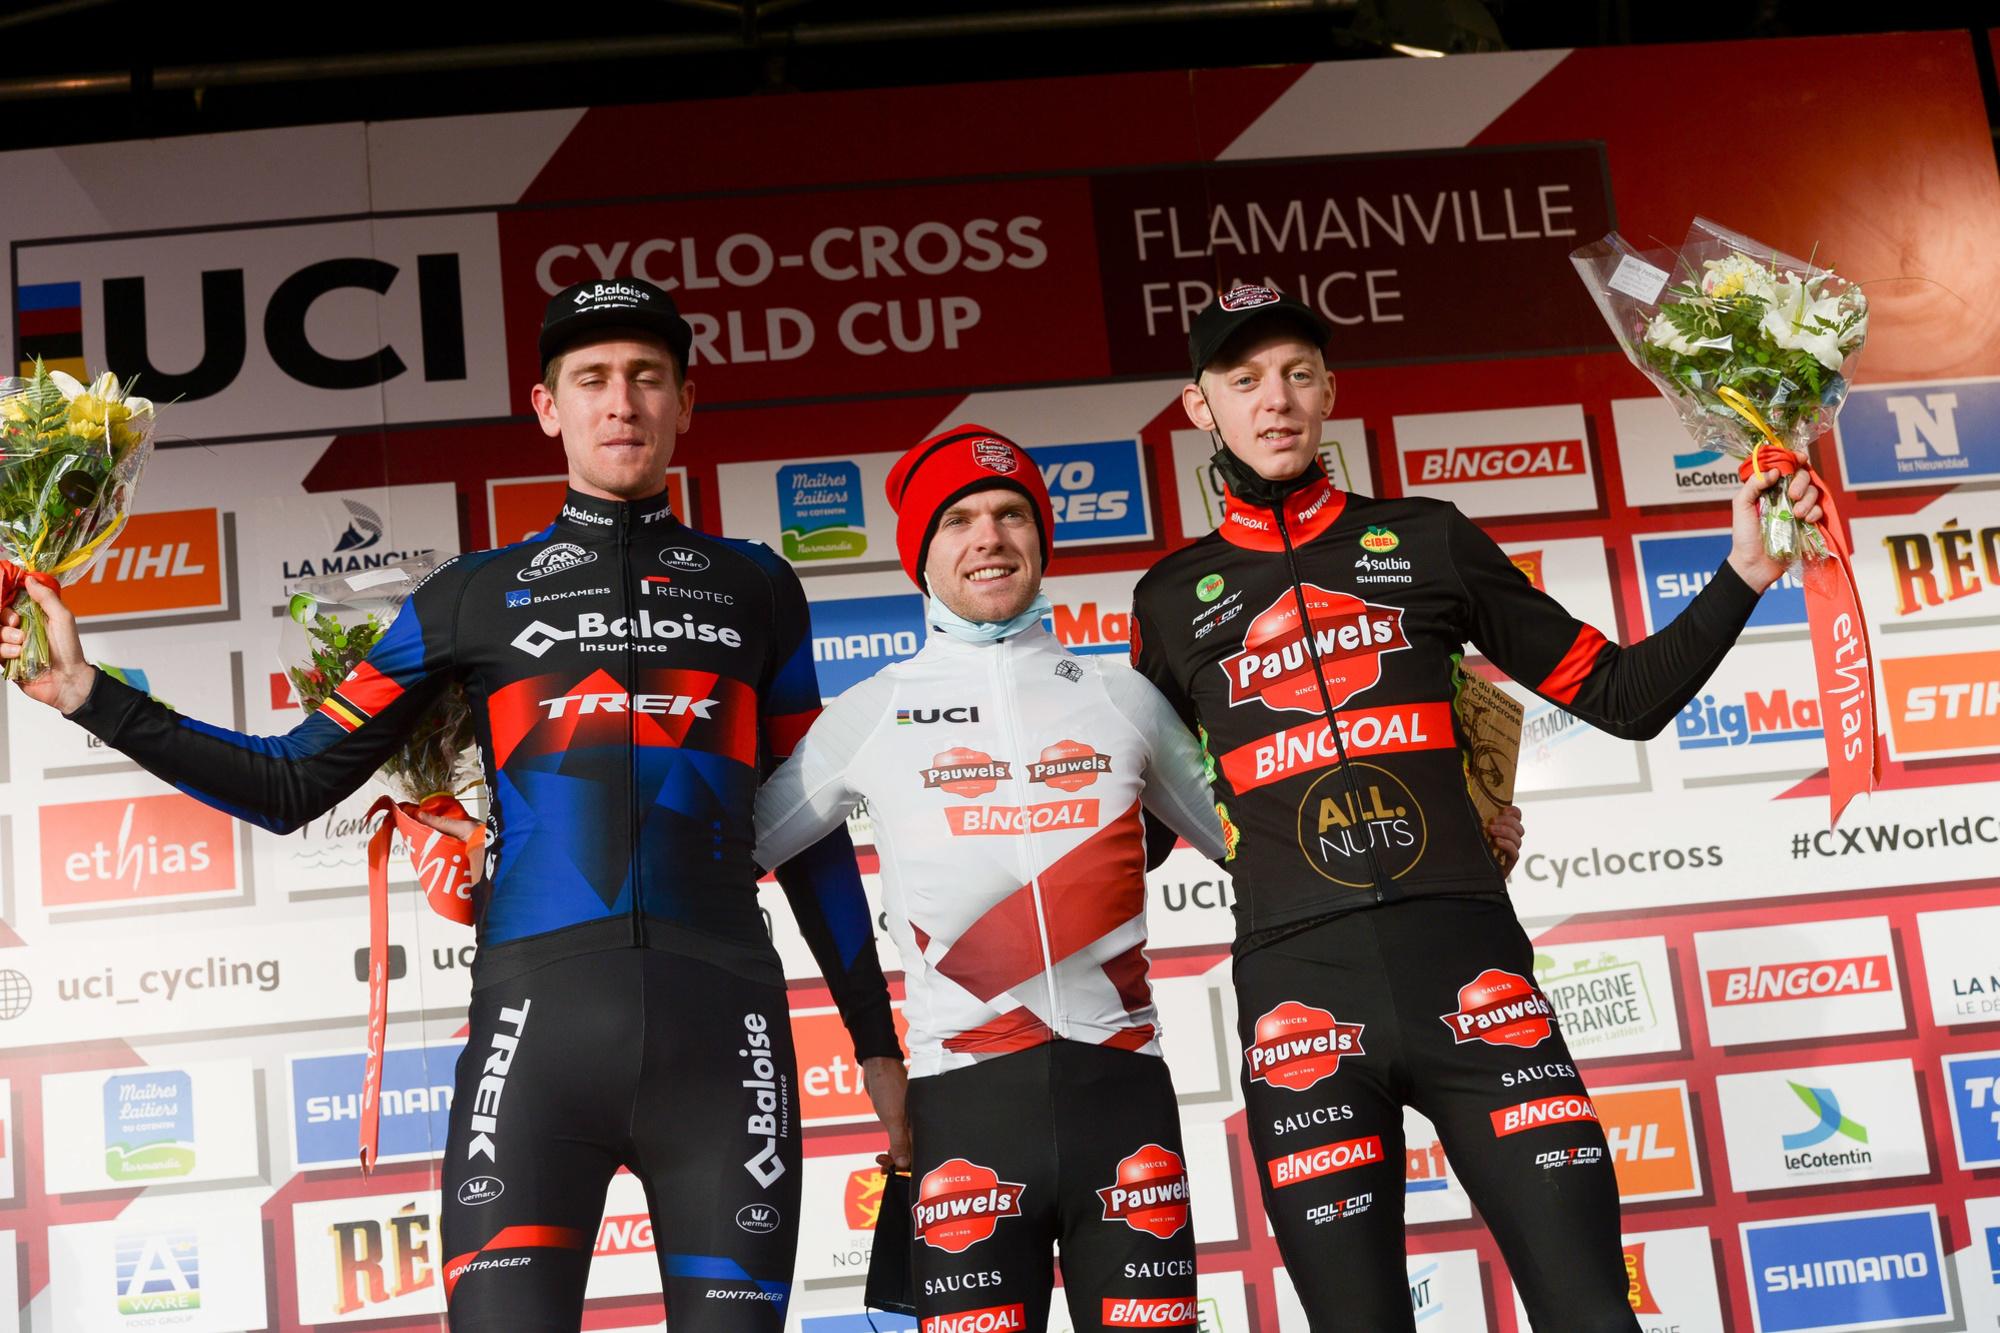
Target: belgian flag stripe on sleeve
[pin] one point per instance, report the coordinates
(361, 696)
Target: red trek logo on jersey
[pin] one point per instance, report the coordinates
(967, 773)
(1296, 1045)
(959, 1204)
(1150, 1193)
(1069, 766)
(989, 1319)
(1150, 1312)
(1349, 637)
(1500, 1009)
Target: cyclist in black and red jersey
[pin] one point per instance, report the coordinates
(1377, 960)
(631, 680)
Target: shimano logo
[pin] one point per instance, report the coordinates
(575, 515)
(669, 705)
(770, 1118)
(485, 1121)
(650, 633)
(557, 559)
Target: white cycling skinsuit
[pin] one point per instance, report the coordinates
(1005, 782)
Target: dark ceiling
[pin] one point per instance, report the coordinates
(86, 70)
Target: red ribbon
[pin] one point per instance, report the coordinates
(14, 581)
(444, 867)
(1841, 654)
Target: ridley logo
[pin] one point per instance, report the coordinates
(959, 1204)
(995, 456)
(1545, 1111)
(1246, 296)
(1295, 1046)
(1349, 638)
(1150, 1312)
(1814, 980)
(967, 773)
(991, 1319)
(557, 559)
(1500, 1009)
(1069, 766)
(1151, 1193)
(1312, 1163)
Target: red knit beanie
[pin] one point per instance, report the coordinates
(944, 470)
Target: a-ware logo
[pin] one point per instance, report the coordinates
(1674, 568)
(1839, 1271)
(1069, 765)
(1974, 1084)
(960, 1203)
(1296, 1046)
(1938, 432)
(854, 637)
(143, 848)
(1803, 979)
(1149, 1192)
(157, 1273)
(415, 1105)
(1500, 1009)
(1276, 665)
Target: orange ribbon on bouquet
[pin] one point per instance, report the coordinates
(14, 580)
(1841, 655)
(446, 868)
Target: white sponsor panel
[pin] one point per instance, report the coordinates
(126, 1128)
(1979, 1264)
(839, 1207)
(10, 1161)
(296, 539)
(1803, 979)
(1431, 1189)
(1671, 1283)
(1661, 463)
(1499, 462)
(191, 1263)
(1447, 1294)
(1092, 613)
(191, 675)
(1938, 566)
(1755, 719)
(1786, 1128)
(1343, 450)
(1576, 572)
(1191, 1037)
(377, 1256)
(1613, 998)
(1960, 965)
(834, 508)
(623, 1261)
(1188, 900)
(1220, 1306)
(1211, 1181)
(10, 1284)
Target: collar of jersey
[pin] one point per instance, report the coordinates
(1310, 509)
(593, 517)
(943, 640)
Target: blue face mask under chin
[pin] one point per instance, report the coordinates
(987, 631)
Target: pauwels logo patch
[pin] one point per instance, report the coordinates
(557, 559)
(1150, 1193)
(960, 1204)
(1500, 1009)
(1069, 766)
(967, 773)
(1349, 637)
(1295, 1046)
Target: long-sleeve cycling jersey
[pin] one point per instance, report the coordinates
(1392, 589)
(1005, 782)
(630, 679)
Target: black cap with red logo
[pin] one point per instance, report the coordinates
(950, 466)
(1233, 311)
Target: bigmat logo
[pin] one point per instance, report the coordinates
(1841, 1271)
(1295, 1046)
(163, 565)
(1799, 980)
(1349, 637)
(1938, 432)
(960, 1203)
(1943, 705)
(1311, 1163)
(1523, 460)
(139, 849)
(1650, 1129)
(1973, 1082)
(1500, 1009)
(1150, 1193)
(988, 1319)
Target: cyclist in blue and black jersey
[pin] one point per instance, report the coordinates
(631, 680)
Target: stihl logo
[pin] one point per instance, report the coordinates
(1296, 1045)
(1349, 637)
(672, 705)
(1798, 981)
(992, 1319)
(1139, 1312)
(485, 1120)
(1546, 1111)
(1495, 462)
(1312, 1163)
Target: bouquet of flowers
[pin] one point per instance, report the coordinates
(70, 457)
(1755, 350)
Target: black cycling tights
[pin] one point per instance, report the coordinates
(1429, 1002)
(679, 1070)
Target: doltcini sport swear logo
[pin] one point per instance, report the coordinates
(1069, 765)
(960, 1204)
(1295, 1046)
(1150, 1192)
(1349, 637)
(967, 773)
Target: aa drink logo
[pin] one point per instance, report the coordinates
(1799, 980)
(415, 1105)
(1523, 460)
(855, 637)
(1791, 1127)
(1097, 492)
(1959, 965)
(1149, 1192)
(1276, 665)
(1938, 432)
(1973, 1084)
(1840, 1271)
(1649, 1128)
(1612, 997)
(1500, 1009)
(139, 849)
(1674, 568)
(959, 1204)
(1295, 1046)
(163, 566)
(1942, 705)
(374, 1257)
(148, 1126)
(1069, 765)
(821, 512)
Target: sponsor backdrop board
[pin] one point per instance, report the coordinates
(1789, 1030)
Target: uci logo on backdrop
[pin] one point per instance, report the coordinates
(248, 331)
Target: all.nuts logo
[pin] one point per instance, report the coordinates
(1069, 766)
(1149, 1193)
(967, 773)
(1500, 1009)
(1295, 1046)
(959, 1204)
(1349, 637)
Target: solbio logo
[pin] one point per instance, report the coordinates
(146, 847)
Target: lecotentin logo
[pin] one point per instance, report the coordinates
(1829, 1121)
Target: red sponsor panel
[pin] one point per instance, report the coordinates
(1813, 979)
(1540, 1112)
(987, 1319)
(861, 1202)
(1150, 1193)
(1150, 1311)
(1312, 1163)
(1500, 1009)
(1276, 664)
(830, 1085)
(1396, 729)
(134, 849)
(959, 1204)
(1637, 1290)
(161, 563)
(1014, 820)
(1296, 1046)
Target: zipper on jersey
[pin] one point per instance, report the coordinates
(633, 867)
(1326, 696)
(1003, 695)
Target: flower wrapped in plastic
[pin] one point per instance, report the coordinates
(1755, 350)
(70, 458)
(335, 623)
